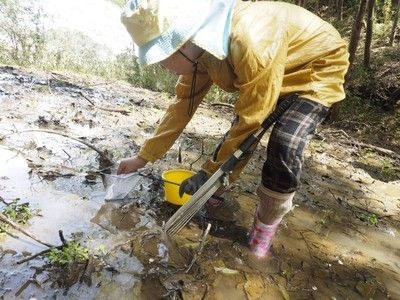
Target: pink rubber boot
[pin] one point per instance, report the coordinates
(272, 208)
(261, 237)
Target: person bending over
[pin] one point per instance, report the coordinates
(264, 51)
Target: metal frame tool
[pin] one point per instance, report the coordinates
(220, 178)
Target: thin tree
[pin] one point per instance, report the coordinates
(356, 31)
(368, 36)
(395, 22)
(300, 2)
(339, 10)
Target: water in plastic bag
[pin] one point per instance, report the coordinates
(118, 186)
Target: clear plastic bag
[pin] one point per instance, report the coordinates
(118, 186)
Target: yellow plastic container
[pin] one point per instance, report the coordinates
(171, 190)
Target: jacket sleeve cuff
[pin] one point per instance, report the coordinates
(147, 156)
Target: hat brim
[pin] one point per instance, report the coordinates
(173, 38)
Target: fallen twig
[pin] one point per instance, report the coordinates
(56, 76)
(64, 244)
(202, 243)
(122, 111)
(100, 152)
(4, 201)
(86, 276)
(378, 149)
(61, 235)
(2, 229)
(222, 104)
(15, 226)
(26, 284)
(36, 255)
(100, 83)
(205, 292)
(200, 156)
(338, 131)
(312, 256)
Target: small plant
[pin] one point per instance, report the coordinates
(3, 230)
(389, 170)
(101, 249)
(367, 153)
(370, 218)
(72, 252)
(327, 215)
(20, 212)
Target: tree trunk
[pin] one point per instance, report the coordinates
(300, 2)
(395, 22)
(356, 31)
(368, 37)
(339, 10)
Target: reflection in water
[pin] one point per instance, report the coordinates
(13, 172)
(114, 218)
(66, 211)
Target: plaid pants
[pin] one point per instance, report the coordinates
(285, 151)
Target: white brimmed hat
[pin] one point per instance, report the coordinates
(160, 27)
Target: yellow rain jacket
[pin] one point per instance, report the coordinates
(275, 49)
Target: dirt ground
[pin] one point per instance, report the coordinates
(340, 241)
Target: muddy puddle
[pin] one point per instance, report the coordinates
(340, 241)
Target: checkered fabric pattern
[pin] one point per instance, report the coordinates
(285, 151)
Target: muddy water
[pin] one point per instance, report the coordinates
(58, 210)
(340, 241)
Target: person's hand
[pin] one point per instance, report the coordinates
(131, 164)
(192, 184)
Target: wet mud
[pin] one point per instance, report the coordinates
(59, 131)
